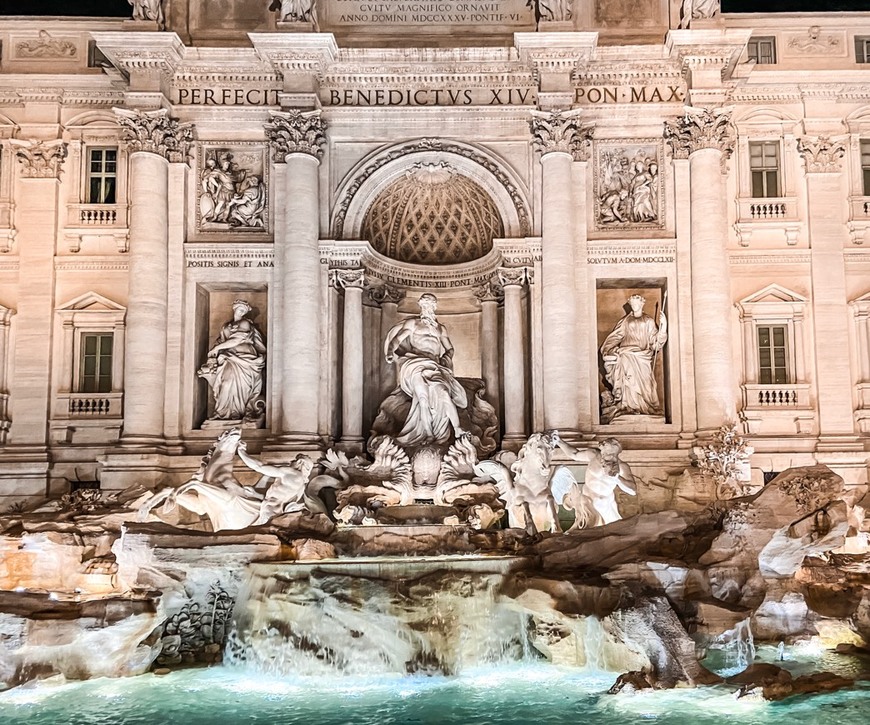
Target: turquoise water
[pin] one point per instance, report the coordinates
(517, 694)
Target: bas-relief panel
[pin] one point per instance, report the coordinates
(628, 13)
(628, 189)
(232, 190)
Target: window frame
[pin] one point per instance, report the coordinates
(862, 48)
(787, 367)
(765, 170)
(102, 175)
(81, 353)
(759, 42)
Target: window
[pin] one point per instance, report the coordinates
(772, 355)
(862, 49)
(865, 166)
(762, 50)
(764, 165)
(95, 369)
(102, 175)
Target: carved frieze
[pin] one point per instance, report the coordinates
(628, 189)
(156, 133)
(700, 128)
(561, 132)
(233, 190)
(296, 132)
(40, 159)
(821, 154)
(45, 47)
(815, 42)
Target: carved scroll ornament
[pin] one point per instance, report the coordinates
(700, 128)
(40, 159)
(155, 132)
(821, 154)
(296, 132)
(561, 132)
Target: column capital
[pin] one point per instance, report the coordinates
(156, 133)
(492, 291)
(561, 132)
(296, 132)
(349, 279)
(821, 154)
(700, 128)
(40, 159)
(386, 294)
(514, 276)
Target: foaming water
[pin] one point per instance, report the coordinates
(508, 694)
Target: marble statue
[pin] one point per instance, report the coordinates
(213, 491)
(530, 489)
(423, 354)
(629, 354)
(229, 194)
(594, 503)
(698, 10)
(290, 490)
(234, 370)
(296, 11)
(148, 10)
(553, 11)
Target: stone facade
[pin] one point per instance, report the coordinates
(533, 182)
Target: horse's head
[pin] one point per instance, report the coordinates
(535, 454)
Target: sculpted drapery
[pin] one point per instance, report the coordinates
(234, 368)
(423, 354)
(629, 354)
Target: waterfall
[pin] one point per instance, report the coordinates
(438, 614)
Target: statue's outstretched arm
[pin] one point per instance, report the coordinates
(255, 465)
(626, 480)
(581, 455)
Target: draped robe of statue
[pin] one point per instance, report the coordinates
(628, 354)
(235, 369)
(424, 357)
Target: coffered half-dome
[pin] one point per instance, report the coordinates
(432, 214)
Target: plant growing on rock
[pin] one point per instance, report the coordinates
(724, 459)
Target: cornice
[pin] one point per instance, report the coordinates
(91, 263)
(762, 259)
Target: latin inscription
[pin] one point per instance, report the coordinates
(599, 95)
(429, 97)
(229, 263)
(227, 96)
(428, 12)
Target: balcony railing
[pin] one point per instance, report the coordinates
(768, 210)
(860, 207)
(795, 395)
(97, 215)
(89, 405)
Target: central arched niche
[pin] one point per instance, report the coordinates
(432, 214)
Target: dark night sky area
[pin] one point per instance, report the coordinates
(121, 8)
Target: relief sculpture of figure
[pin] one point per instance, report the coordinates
(629, 354)
(234, 370)
(423, 354)
(698, 10)
(296, 11)
(148, 10)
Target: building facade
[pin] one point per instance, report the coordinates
(535, 168)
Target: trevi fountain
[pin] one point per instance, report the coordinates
(453, 440)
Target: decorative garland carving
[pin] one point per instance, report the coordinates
(296, 132)
(431, 144)
(561, 132)
(821, 154)
(40, 159)
(156, 133)
(700, 128)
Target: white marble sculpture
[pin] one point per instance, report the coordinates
(148, 10)
(213, 491)
(628, 191)
(230, 194)
(698, 10)
(423, 354)
(629, 355)
(529, 487)
(594, 503)
(234, 370)
(297, 11)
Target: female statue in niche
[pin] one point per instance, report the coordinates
(234, 370)
(629, 354)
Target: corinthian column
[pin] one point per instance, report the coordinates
(703, 136)
(297, 140)
(512, 280)
(490, 295)
(388, 297)
(827, 232)
(155, 140)
(40, 164)
(560, 138)
(353, 282)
